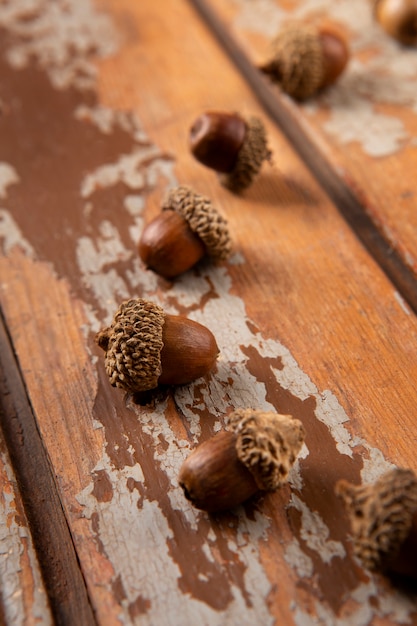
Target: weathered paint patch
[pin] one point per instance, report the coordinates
(386, 75)
(23, 596)
(139, 510)
(11, 235)
(64, 37)
(365, 605)
(8, 176)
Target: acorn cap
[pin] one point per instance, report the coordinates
(267, 444)
(202, 218)
(381, 516)
(133, 344)
(251, 155)
(297, 62)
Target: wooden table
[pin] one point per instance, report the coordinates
(314, 313)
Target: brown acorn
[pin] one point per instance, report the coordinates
(188, 228)
(398, 18)
(305, 58)
(146, 347)
(255, 453)
(232, 146)
(383, 519)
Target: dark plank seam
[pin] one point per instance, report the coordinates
(51, 536)
(348, 204)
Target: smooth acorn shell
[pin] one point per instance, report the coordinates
(399, 19)
(189, 350)
(216, 139)
(335, 54)
(168, 246)
(213, 478)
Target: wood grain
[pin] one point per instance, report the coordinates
(358, 134)
(307, 322)
(57, 560)
(23, 597)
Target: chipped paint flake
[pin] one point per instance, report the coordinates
(378, 134)
(299, 560)
(11, 236)
(62, 36)
(133, 530)
(15, 547)
(387, 76)
(8, 176)
(315, 533)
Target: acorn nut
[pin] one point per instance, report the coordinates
(146, 347)
(383, 520)
(306, 58)
(255, 453)
(188, 228)
(398, 18)
(232, 146)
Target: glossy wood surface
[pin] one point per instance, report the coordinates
(97, 102)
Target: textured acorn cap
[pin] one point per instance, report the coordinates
(297, 62)
(380, 515)
(133, 344)
(202, 218)
(251, 155)
(267, 444)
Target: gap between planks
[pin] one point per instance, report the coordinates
(50, 533)
(349, 206)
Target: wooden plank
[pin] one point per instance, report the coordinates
(23, 598)
(306, 321)
(362, 128)
(63, 580)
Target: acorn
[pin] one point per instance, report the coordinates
(146, 347)
(305, 59)
(254, 454)
(383, 519)
(187, 229)
(231, 145)
(398, 18)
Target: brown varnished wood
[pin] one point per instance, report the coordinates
(306, 322)
(353, 203)
(52, 540)
(23, 598)
(374, 194)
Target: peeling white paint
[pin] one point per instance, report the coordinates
(132, 532)
(233, 386)
(107, 120)
(387, 76)
(354, 119)
(8, 176)
(132, 535)
(62, 36)
(16, 544)
(316, 534)
(374, 465)
(365, 603)
(298, 560)
(11, 236)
